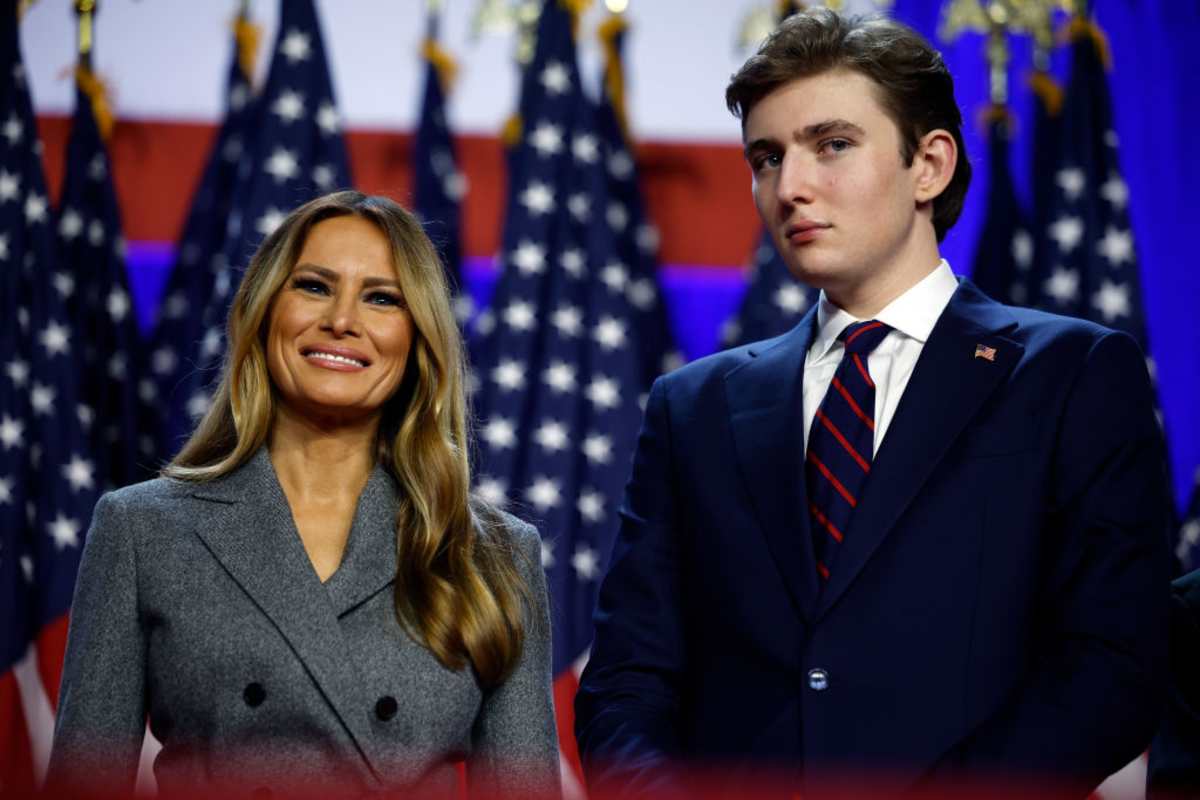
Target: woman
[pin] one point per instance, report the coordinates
(307, 600)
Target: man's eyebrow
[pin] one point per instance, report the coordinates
(831, 126)
(334, 277)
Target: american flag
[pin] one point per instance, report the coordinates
(175, 350)
(1091, 259)
(774, 300)
(92, 279)
(625, 213)
(1187, 550)
(293, 150)
(1004, 254)
(48, 478)
(557, 366)
(438, 183)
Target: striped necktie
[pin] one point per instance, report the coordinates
(841, 443)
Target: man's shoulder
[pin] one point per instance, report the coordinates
(715, 366)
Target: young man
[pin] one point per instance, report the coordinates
(921, 535)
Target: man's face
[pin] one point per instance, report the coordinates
(830, 184)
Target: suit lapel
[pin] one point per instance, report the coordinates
(251, 532)
(369, 563)
(765, 402)
(949, 384)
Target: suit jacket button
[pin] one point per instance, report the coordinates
(818, 680)
(254, 694)
(386, 707)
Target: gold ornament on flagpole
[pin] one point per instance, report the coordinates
(760, 20)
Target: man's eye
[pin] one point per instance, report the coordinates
(766, 161)
(836, 145)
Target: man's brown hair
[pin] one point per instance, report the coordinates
(915, 88)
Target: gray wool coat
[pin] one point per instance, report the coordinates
(198, 609)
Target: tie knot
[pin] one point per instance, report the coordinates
(863, 337)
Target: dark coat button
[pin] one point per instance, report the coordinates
(386, 707)
(254, 694)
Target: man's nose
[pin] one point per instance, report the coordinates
(795, 179)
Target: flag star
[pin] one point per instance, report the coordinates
(6, 491)
(560, 376)
(17, 371)
(197, 405)
(1112, 301)
(271, 219)
(614, 276)
(609, 333)
(232, 150)
(3, 248)
(1152, 368)
(41, 397)
(296, 46)
(586, 562)
(538, 198)
(1072, 181)
(455, 185)
(544, 493)
(492, 490)
(463, 306)
(591, 506)
(239, 94)
(78, 472)
(499, 433)
(519, 316)
(617, 216)
(10, 186)
(585, 148)
(547, 139)
(1022, 250)
(118, 367)
(97, 168)
(572, 261)
(56, 338)
(509, 375)
(1067, 232)
(598, 448)
(485, 323)
(85, 415)
(603, 392)
(568, 320)
(176, 306)
(671, 360)
(555, 78)
(529, 258)
(1115, 191)
(1116, 246)
(64, 531)
(327, 118)
(1189, 536)
(12, 432)
(1063, 285)
(95, 233)
(117, 304)
(35, 208)
(642, 293)
(580, 206)
(12, 129)
(163, 360)
(547, 554)
(647, 238)
(1110, 138)
(551, 436)
(289, 107)
(147, 390)
(620, 165)
(70, 225)
(731, 331)
(790, 298)
(323, 176)
(210, 345)
(282, 165)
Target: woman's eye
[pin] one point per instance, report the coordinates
(310, 285)
(384, 299)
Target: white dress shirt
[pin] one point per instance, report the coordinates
(912, 316)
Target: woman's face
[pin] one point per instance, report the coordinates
(339, 332)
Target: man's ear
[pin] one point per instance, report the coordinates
(934, 162)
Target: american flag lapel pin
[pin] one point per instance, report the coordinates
(985, 352)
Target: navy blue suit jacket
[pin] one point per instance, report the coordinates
(1000, 601)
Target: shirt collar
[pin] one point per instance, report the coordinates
(913, 313)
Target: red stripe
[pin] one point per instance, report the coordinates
(51, 649)
(828, 423)
(861, 368)
(16, 752)
(853, 405)
(829, 477)
(566, 684)
(824, 520)
(863, 329)
(824, 570)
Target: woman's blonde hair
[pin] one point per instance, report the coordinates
(458, 588)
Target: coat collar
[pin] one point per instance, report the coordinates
(248, 526)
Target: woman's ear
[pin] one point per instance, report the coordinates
(934, 161)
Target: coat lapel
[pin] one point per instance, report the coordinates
(250, 530)
(949, 384)
(369, 563)
(765, 401)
